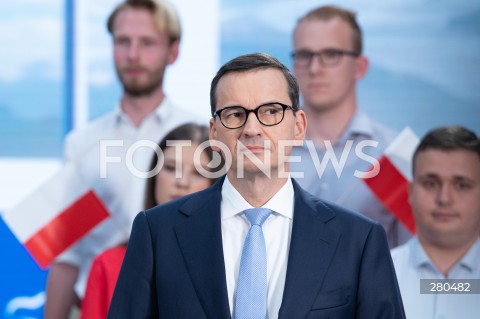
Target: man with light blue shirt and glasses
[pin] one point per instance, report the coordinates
(439, 269)
(341, 140)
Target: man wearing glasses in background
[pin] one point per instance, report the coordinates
(255, 245)
(328, 62)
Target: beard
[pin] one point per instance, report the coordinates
(139, 86)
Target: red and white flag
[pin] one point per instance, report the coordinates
(56, 215)
(390, 185)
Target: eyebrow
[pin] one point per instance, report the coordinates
(264, 103)
(454, 177)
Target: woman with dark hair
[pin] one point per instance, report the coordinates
(177, 177)
(172, 187)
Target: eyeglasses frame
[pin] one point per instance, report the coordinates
(254, 111)
(321, 52)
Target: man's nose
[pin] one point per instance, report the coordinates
(316, 65)
(252, 126)
(444, 195)
(133, 50)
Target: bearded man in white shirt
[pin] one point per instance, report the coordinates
(146, 37)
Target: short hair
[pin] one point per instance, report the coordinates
(195, 133)
(448, 138)
(165, 16)
(250, 62)
(326, 13)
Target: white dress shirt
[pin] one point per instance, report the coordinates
(412, 264)
(277, 231)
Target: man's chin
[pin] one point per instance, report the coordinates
(138, 90)
(253, 169)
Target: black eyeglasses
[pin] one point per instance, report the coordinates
(268, 114)
(327, 57)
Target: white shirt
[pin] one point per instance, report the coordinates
(277, 231)
(412, 264)
(121, 191)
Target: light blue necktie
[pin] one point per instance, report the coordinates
(251, 298)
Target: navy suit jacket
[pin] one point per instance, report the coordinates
(339, 263)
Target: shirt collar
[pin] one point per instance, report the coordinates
(233, 202)
(419, 257)
(162, 112)
(360, 124)
(472, 257)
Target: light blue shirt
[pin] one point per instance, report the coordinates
(412, 264)
(346, 189)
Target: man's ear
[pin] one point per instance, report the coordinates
(212, 135)
(174, 50)
(300, 125)
(361, 67)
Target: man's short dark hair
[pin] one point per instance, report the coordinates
(448, 138)
(255, 61)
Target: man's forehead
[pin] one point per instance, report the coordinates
(334, 31)
(269, 84)
(325, 25)
(135, 20)
(261, 76)
(447, 163)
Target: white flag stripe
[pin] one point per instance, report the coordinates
(400, 151)
(44, 204)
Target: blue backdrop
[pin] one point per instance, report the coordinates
(22, 282)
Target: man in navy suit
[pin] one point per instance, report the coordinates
(185, 257)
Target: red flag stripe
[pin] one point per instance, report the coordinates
(391, 188)
(66, 228)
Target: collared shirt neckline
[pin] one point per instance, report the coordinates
(420, 258)
(471, 258)
(161, 112)
(360, 124)
(281, 203)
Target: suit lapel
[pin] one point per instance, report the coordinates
(200, 240)
(312, 247)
